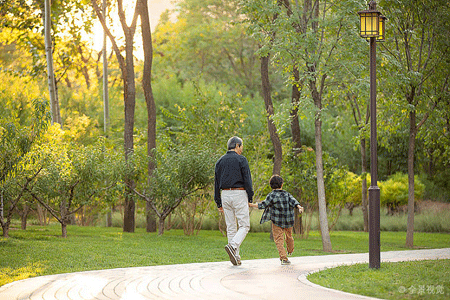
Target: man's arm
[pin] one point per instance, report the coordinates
(247, 176)
(217, 197)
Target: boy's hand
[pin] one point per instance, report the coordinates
(300, 209)
(253, 205)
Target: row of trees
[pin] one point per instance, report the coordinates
(306, 56)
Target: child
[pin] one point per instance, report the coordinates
(279, 208)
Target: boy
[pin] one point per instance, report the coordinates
(279, 208)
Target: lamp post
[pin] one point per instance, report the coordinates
(372, 28)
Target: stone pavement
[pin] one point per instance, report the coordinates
(254, 279)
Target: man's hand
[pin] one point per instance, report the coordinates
(220, 209)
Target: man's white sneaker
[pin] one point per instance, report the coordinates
(232, 254)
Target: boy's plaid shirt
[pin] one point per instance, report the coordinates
(279, 208)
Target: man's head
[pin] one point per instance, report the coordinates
(235, 143)
(276, 182)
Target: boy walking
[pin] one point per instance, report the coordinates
(279, 208)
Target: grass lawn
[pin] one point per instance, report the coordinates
(41, 250)
(403, 280)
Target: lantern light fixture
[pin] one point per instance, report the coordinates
(381, 25)
(371, 22)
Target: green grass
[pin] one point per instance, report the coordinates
(41, 251)
(404, 280)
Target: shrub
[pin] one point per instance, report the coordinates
(394, 191)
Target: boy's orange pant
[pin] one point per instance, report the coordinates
(278, 237)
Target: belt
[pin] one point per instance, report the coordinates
(232, 189)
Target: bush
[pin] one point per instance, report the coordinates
(394, 191)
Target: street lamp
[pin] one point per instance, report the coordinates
(372, 28)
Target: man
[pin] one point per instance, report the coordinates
(232, 193)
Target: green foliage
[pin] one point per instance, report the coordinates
(303, 175)
(71, 176)
(19, 135)
(394, 191)
(209, 115)
(178, 173)
(206, 80)
(207, 42)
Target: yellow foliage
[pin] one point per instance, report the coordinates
(76, 127)
(8, 274)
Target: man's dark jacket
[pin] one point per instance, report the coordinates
(232, 171)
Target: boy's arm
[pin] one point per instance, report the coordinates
(296, 204)
(261, 205)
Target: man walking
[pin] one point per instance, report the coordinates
(232, 192)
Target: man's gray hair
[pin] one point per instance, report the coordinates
(233, 142)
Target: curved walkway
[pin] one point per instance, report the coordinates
(254, 279)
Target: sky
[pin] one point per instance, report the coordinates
(156, 8)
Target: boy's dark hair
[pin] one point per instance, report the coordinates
(276, 181)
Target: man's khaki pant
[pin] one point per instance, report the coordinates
(278, 237)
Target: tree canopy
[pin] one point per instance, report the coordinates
(201, 83)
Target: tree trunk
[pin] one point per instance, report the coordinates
(63, 229)
(269, 109)
(161, 226)
(295, 100)
(296, 138)
(24, 216)
(105, 80)
(323, 218)
(412, 139)
(129, 94)
(129, 109)
(149, 100)
(364, 199)
(129, 211)
(56, 117)
(5, 228)
(42, 215)
(109, 218)
(151, 218)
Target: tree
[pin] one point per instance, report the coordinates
(149, 100)
(54, 104)
(208, 42)
(314, 27)
(17, 139)
(266, 43)
(265, 83)
(361, 122)
(126, 65)
(178, 174)
(417, 52)
(35, 26)
(70, 177)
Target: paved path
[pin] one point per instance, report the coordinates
(254, 279)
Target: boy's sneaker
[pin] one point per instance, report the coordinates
(232, 254)
(285, 262)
